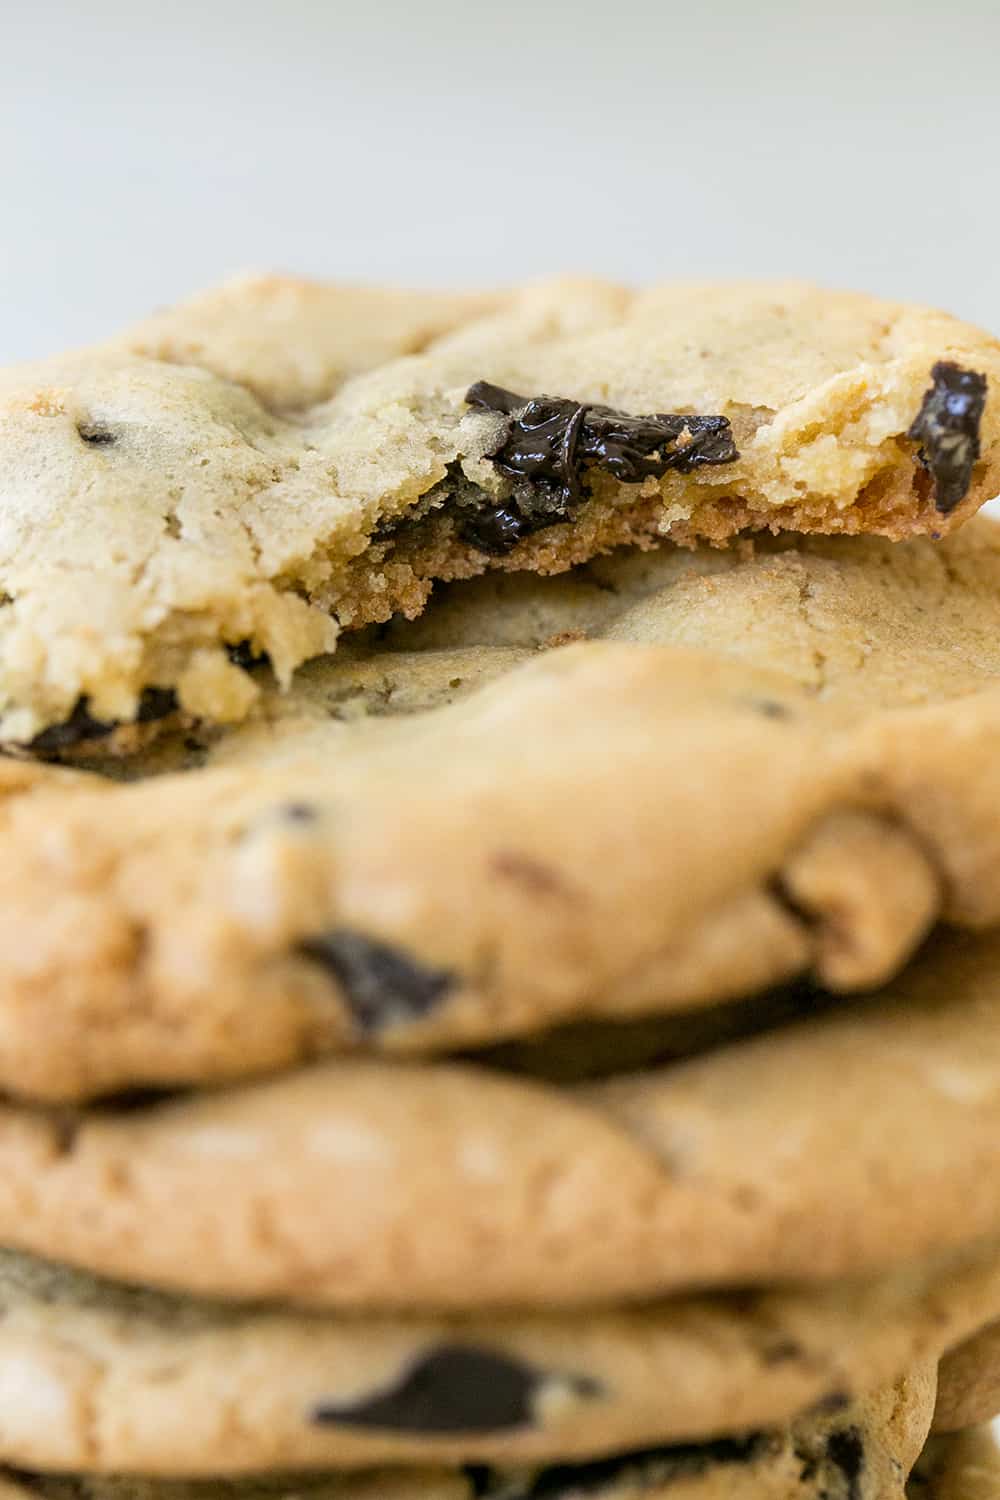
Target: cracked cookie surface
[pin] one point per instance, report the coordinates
(154, 514)
(293, 342)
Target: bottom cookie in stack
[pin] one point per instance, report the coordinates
(293, 1226)
(861, 1451)
(98, 1378)
(479, 1280)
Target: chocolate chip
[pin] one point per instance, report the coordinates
(771, 709)
(497, 529)
(947, 429)
(846, 1451)
(653, 1466)
(550, 442)
(381, 984)
(81, 725)
(299, 812)
(96, 434)
(454, 1389)
(242, 654)
(155, 703)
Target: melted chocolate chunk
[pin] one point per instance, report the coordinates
(96, 434)
(454, 1389)
(497, 529)
(650, 1466)
(947, 429)
(549, 443)
(846, 1451)
(155, 703)
(382, 985)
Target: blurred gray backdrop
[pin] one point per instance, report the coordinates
(147, 150)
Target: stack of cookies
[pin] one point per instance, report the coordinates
(500, 916)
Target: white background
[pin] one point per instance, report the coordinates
(148, 149)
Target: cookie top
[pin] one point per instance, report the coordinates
(156, 517)
(790, 752)
(380, 1182)
(292, 341)
(862, 1451)
(117, 1381)
(969, 1390)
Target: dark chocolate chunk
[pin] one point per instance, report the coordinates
(242, 654)
(382, 985)
(650, 1466)
(550, 442)
(846, 1451)
(299, 812)
(155, 703)
(96, 434)
(497, 529)
(81, 725)
(947, 429)
(454, 1389)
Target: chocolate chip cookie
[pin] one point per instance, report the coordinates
(774, 763)
(160, 524)
(862, 1451)
(127, 1381)
(380, 1182)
